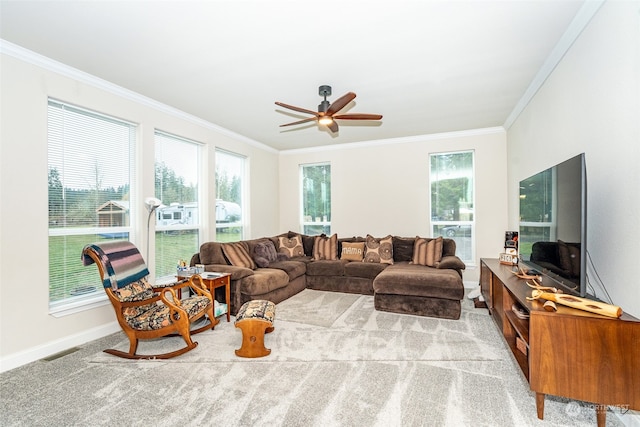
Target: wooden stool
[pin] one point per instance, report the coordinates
(255, 318)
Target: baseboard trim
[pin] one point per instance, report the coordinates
(36, 353)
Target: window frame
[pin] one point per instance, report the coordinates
(434, 222)
(160, 213)
(64, 121)
(222, 226)
(325, 222)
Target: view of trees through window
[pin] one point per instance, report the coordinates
(316, 198)
(176, 185)
(229, 196)
(452, 199)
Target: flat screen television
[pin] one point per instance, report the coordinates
(552, 238)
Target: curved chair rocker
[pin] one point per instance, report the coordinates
(143, 311)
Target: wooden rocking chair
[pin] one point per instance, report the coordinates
(144, 311)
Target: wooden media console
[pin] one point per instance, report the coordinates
(569, 353)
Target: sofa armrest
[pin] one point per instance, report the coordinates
(237, 273)
(195, 259)
(453, 262)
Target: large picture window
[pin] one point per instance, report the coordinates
(316, 198)
(452, 200)
(91, 173)
(176, 186)
(230, 175)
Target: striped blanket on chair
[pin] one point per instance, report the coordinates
(122, 262)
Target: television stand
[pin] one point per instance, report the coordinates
(569, 353)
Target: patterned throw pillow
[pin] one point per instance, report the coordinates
(291, 246)
(352, 251)
(427, 251)
(238, 255)
(325, 247)
(379, 250)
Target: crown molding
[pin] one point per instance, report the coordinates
(571, 34)
(401, 140)
(26, 55)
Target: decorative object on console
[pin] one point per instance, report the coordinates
(585, 304)
(511, 242)
(508, 259)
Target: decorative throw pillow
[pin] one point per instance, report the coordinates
(379, 250)
(264, 253)
(291, 246)
(427, 251)
(352, 251)
(238, 255)
(325, 247)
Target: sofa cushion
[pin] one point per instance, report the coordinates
(352, 251)
(264, 253)
(366, 270)
(326, 268)
(291, 246)
(419, 280)
(264, 280)
(453, 262)
(379, 250)
(427, 251)
(293, 268)
(325, 247)
(211, 253)
(238, 255)
(403, 248)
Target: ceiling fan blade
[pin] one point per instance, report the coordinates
(294, 108)
(333, 127)
(310, 119)
(340, 103)
(355, 116)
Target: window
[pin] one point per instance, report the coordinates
(230, 172)
(91, 173)
(452, 199)
(176, 185)
(316, 198)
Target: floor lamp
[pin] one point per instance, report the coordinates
(152, 204)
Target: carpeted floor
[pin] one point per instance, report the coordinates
(335, 361)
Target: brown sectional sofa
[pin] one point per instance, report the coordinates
(401, 287)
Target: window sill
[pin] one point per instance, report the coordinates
(72, 307)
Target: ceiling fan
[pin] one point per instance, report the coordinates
(326, 114)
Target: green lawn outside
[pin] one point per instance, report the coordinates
(68, 277)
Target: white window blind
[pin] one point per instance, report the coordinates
(178, 219)
(90, 177)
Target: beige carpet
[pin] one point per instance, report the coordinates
(366, 368)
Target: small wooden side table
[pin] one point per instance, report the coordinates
(221, 279)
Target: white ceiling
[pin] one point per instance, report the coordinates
(426, 66)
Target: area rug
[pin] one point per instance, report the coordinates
(355, 331)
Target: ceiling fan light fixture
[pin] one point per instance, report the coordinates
(325, 120)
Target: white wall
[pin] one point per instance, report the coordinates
(382, 187)
(27, 330)
(591, 104)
